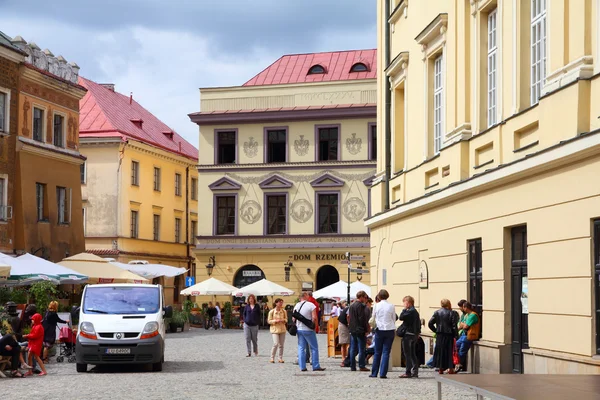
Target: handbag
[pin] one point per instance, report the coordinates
(372, 320)
(401, 331)
(292, 329)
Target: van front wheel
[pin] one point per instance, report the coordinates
(81, 367)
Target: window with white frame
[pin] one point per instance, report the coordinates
(4, 112)
(59, 130)
(38, 124)
(3, 198)
(538, 48)
(83, 172)
(492, 69)
(62, 200)
(177, 230)
(438, 96)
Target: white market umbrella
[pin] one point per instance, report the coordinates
(66, 275)
(263, 288)
(358, 286)
(209, 287)
(151, 271)
(339, 290)
(23, 272)
(99, 270)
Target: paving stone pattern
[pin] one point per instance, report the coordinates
(212, 365)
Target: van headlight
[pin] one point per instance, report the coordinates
(150, 330)
(86, 329)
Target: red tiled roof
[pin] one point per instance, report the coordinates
(294, 68)
(104, 113)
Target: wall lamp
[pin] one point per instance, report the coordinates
(211, 265)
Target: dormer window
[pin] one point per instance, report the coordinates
(316, 69)
(359, 67)
(137, 122)
(168, 134)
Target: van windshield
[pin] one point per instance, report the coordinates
(121, 300)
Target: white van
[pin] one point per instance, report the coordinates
(122, 324)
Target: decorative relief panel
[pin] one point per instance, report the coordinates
(49, 125)
(50, 95)
(251, 148)
(354, 209)
(301, 210)
(301, 146)
(354, 144)
(250, 212)
(26, 107)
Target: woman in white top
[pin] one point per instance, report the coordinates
(385, 318)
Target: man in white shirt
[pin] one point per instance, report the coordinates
(306, 334)
(335, 311)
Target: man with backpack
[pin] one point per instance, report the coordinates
(469, 330)
(344, 334)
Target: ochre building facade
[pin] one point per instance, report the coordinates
(139, 185)
(487, 189)
(41, 195)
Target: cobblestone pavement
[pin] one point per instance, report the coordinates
(212, 364)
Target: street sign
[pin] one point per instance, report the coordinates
(357, 258)
(359, 270)
(190, 281)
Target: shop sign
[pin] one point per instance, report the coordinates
(318, 257)
(307, 286)
(252, 273)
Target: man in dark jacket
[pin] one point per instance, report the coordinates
(10, 347)
(358, 325)
(411, 318)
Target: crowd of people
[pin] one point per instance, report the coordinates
(36, 344)
(367, 330)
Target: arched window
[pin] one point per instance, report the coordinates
(316, 69)
(359, 67)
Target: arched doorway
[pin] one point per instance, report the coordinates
(327, 275)
(247, 274)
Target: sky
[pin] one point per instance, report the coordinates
(164, 50)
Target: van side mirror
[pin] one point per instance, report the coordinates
(168, 312)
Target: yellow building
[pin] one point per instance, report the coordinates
(489, 190)
(139, 184)
(285, 208)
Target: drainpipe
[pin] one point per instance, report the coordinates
(388, 109)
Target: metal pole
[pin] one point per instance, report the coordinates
(349, 266)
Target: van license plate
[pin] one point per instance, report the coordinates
(118, 351)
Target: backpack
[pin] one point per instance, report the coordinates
(343, 318)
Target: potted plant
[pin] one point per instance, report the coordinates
(178, 320)
(227, 315)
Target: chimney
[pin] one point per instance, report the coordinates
(109, 86)
(130, 97)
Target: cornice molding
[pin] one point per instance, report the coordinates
(140, 146)
(11, 55)
(51, 83)
(44, 150)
